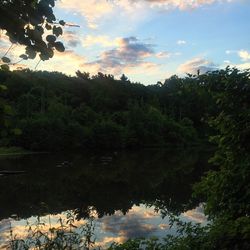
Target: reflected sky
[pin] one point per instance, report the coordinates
(125, 192)
(139, 221)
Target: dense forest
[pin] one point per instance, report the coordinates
(52, 112)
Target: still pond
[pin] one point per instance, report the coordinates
(127, 194)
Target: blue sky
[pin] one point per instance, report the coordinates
(150, 40)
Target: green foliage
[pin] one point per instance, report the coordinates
(26, 24)
(43, 236)
(227, 189)
(130, 244)
(7, 129)
(56, 112)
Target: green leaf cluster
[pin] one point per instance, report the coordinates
(26, 24)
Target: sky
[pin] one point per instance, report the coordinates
(139, 221)
(150, 40)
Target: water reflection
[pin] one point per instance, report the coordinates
(140, 221)
(124, 188)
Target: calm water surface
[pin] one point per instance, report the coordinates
(128, 192)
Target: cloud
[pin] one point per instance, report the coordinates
(21, 231)
(131, 226)
(184, 4)
(4, 39)
(164, 54)
(103, 41)
(228, 52)
(195, 64)
(96, 11)
(6, 45)
(244, 55)
(196, 215)
(12, 51)
(181, 42)
(163, 226)
(138, 222)
(71, 38)
(121, 55)
(138, 59)
(130, 52)
(92, 10)
(67, 62)
(167, 54)
(243, 66)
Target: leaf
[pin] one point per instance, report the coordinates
(30, 51)
(50, 18)
(51, 2)
(4, 133)
(59, 46)
(62, 22)
(7, 109)
(48, 27)
(6, 59)
(50, 38)
(40, 29)
(11, 37)
(5, 67)
(50, 52)
(57, 31)
(17, 131)
(3, 87)
(24, 57)
(44, 56)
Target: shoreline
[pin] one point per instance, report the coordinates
(15, 151)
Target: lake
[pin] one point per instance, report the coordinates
(127, 194)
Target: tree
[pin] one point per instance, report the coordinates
(83, 75)
(6, 115)
(124, 79)
(227, 189)
(25, 23)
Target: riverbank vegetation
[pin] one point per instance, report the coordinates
(226, 190)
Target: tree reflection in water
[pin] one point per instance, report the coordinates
(107, 182)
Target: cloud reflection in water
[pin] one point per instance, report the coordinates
(140, 221)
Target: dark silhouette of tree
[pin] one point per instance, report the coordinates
(124, 79)
(57, 112)
(25, 22)
(83, 75)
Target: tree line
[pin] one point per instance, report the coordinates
(54, 112)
